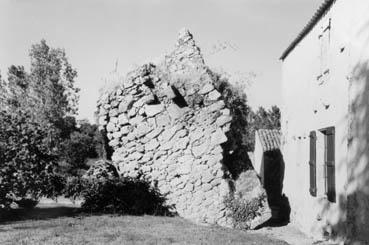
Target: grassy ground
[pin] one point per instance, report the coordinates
(62, 225)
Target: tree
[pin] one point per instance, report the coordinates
(26, 159)
(80, 146)
(18, 89)
(36, 117)
(262, 119)
(52, 80)
(267, 119)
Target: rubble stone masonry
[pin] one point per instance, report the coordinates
(166, 123)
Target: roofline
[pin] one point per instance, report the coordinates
(324, 7)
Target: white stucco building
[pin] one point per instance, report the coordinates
(325, 122)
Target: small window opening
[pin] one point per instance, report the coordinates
(178, 99)
(148, 82)
(155, 101)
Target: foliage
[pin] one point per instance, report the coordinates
(235, 154)
(47, 92)
(27, 158)
(76, 150)
(37, 123)
(243, 211)
(244, 122)
(74, 187)
(101, 169)
(52, 80)
(117, 195)
(81, 143)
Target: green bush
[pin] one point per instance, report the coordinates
(117, 195)
(243, 211)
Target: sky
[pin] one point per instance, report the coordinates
(97, 33)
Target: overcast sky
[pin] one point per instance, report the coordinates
(95, 33)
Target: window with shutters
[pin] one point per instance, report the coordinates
(312, 164)
(329, 164)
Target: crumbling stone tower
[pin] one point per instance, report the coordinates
(166, 123)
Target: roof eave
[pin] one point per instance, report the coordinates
(324, 7)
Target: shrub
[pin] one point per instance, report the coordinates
(243, 211)
(101, 169)
(117, 195)
(27, 203)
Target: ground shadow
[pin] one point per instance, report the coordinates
(38, 213)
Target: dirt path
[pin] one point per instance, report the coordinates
(288, 233)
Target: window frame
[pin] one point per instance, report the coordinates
(329, 163)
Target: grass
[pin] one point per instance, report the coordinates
(63, 225)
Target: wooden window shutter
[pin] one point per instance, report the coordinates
(330, 181)
(312, 163)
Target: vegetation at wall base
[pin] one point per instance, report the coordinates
(117, 196)
(243, 211)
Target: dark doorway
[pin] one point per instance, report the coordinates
(274, 167)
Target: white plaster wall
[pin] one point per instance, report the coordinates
(258, 157)
(302, 94)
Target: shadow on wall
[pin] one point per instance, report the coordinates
(352, 218)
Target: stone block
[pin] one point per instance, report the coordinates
(207, 177)
(113, 112)
(132, 112)
(102, 120)
(142, 129)
(222, 120)
(217, 106)
(186, 159)
(123, 119)
(184, 168)
(117, 135)
(114, 142)
(155, 133)
(125, 105)
(181, 144)
(169, 133)
(125, 130)
(162, 120)
(175, 111)
(111, 127)
(218, 137)
(152, 110)
(206, 88)
(168, 91)
(135, 156)
(199, 150)
(151, 145)
(214, 95)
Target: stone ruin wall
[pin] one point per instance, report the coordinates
(166, 123)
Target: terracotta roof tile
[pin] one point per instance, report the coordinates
(270, 139)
